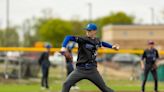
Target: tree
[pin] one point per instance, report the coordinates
(119, 18)
(10, 37)
(29, 40)
(29, 32)
(54, 31)
(1, 38)
(77, 27)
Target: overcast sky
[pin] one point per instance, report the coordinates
(66, 9)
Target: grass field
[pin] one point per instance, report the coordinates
(85, 86)
(57, 76)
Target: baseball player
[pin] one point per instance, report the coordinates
(86, 66)
(69, 60)
(149, 64)
(45, 64)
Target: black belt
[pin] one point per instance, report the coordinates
(86, 65)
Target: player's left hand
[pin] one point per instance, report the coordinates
(116, 47)
(154, 66)
(63, 49)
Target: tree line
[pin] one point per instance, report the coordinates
(53, 30)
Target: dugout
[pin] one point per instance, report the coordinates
(24, 66)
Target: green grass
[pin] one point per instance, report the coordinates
(84, 85)
(19, 88)
(56, 77)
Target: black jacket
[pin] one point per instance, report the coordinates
(87, 49)
(44, 59)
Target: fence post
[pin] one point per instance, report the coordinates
(19, 69)
(6, 68)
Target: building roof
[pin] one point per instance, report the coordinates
(133, 27)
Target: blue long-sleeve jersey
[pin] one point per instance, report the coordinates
(87, 48)
(73, 38)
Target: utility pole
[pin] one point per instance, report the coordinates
(7, 21)
(90, 11)
(152, 16)
(5, 37)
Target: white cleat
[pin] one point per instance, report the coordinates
(75, 88)
(43, 88)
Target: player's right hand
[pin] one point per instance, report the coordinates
(116, 47)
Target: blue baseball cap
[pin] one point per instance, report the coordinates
(48, 45)
(91, 26)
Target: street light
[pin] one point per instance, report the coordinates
(152, 16)
(7, 20)
(5, 34)
(90, 11)
(7, 13)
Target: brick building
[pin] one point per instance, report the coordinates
(134, 36)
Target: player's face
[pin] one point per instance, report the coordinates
(151, 45)
(92, 33)
(48, 49)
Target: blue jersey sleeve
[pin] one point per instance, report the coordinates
(105, 44)
(67, 39)
(70, 47)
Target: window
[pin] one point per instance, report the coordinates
(151, 33)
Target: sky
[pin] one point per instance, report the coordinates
(20, 10)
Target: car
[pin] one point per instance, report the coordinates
(126, 58)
